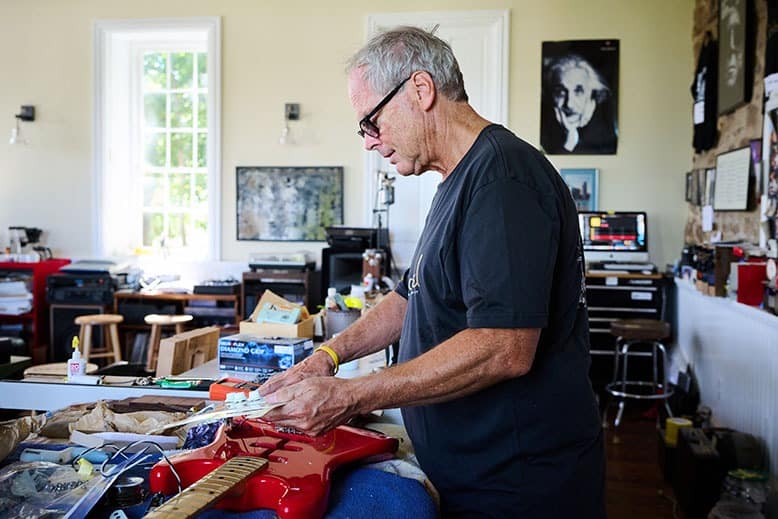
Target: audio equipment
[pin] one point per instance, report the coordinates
(80, 288)
(62, 329)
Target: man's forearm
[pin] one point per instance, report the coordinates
(466, 363)
(376, 330)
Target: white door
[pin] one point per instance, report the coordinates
(480, 43)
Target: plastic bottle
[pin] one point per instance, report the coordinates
(330, 303)
(76, 365)
(358, 293)
(368, 282)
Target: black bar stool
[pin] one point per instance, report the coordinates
(634, 332)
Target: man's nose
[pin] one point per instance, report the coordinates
(371, 142)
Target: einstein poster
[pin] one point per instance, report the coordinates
(579, 106)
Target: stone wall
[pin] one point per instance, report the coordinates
(736, 129)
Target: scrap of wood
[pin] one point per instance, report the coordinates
(187, 350)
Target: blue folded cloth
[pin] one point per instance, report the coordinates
(363, 493)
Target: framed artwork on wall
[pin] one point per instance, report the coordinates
(583, 184)
(689, 187)
(710, 186)
(736, 54)
(733, 170)
(579, 97)
(288, 203)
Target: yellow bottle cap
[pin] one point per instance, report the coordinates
(75, 342)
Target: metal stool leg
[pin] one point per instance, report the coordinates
(665, 385)
(620, 412)
(624, 377)
(655, 363)
(614, 379)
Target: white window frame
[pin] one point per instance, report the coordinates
(116, 193)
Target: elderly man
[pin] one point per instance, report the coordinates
(491, 315)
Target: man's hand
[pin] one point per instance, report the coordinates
(570, 125)
(319, 364)
(313, 405)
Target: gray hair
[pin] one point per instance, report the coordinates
(392, 56)
(557, 66)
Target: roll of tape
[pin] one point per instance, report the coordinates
(671, 429)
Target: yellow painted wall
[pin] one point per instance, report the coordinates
(277, 51)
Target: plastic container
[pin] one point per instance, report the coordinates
(336, 322)
(329, 302)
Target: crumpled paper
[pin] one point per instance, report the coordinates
(102, 419)
(12, 432)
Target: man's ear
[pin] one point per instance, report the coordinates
(424, 89)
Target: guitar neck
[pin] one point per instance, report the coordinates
(199, 496)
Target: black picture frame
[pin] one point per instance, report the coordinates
(710, 186)
(688, 193)
(736, 54)
(583, 123)
(287, 203)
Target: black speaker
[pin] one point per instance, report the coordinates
(62, 328)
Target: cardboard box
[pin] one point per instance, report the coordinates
(249, 353)
(303, 328)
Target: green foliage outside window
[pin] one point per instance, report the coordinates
(175, 185)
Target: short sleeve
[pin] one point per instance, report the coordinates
(508, 247)
(402, 286)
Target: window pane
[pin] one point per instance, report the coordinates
(178, 232)
(181, 69)
(202, 111)
(180, 189)
(181, 150)
(181, 111)
(199, 233)
(201, 191)
(153, 226)
(155, 149)
(153, 190)
(154, 110)
(154, 71)
(202, 150)
(202, 60)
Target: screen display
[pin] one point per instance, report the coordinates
(613, 231)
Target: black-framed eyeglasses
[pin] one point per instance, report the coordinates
(366, 125)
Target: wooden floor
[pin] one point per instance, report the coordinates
(634, 487)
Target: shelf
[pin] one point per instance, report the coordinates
(20, 317)
(38, 317)
(161, 296)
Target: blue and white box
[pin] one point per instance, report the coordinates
(254, 354)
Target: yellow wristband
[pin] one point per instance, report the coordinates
(334, 356)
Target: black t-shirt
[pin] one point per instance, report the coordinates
(705, 94)
(501, 249)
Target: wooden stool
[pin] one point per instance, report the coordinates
(112, 348)
(157, 321)
(628, 333)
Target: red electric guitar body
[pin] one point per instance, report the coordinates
(296, 480)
